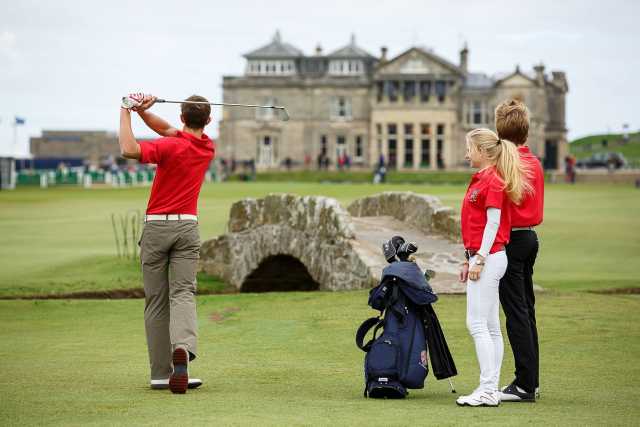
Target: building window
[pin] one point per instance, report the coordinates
(477, 112)
(425, 145)
(425, 91)
(393, 89)
(345, 67)
(341, 108)
(409, 91)
(441, 90)
(359, 147)
(378, 128)
(408, 145)
(440, 146)
(323, 145)
(392, 145)
(379, 91)
(278, 68)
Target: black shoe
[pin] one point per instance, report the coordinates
(513, 393)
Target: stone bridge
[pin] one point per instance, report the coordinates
(286, 242)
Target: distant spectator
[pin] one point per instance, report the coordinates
(288, 163)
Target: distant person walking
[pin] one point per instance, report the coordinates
(486, 222)
(516, 287)
(170, 243)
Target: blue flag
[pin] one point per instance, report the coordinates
(20, 120)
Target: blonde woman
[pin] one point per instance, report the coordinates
(486, 225)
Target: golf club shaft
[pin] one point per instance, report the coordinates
(166, 101)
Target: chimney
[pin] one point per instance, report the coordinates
(383, 54)
(464, 58)
(318, 50)
(560, 79)
(539, 69)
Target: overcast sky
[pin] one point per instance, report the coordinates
(65, 64)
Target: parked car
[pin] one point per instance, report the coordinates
(603, 160)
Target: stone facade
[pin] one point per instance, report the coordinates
(93, 146)
(413, 109)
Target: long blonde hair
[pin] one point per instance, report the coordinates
(504, 156)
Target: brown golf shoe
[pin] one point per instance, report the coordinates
(179, 379)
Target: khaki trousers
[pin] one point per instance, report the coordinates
(169, 252)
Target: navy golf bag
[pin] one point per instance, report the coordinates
(397, 359)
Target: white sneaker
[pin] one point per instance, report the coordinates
(164, 383)
(480, 398)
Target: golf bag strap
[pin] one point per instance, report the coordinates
(391, 303)
(364, 328)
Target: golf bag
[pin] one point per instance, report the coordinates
(397, 359)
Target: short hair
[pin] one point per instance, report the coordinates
(195, 116)
(512, 121)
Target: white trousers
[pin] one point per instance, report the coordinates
(483, 320)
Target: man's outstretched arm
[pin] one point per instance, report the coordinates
(157, 124)
(129, 147)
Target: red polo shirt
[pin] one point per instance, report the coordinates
(529, 212)
(486, 190)
(182, 162)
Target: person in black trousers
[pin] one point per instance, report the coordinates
(516, 287)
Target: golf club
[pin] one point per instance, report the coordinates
(284, 115)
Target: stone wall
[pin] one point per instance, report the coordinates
(423, 212)
(315, 230)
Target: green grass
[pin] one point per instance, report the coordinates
(60, 240)
(290, 359)
(585, 147)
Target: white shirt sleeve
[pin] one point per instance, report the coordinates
(490, 231)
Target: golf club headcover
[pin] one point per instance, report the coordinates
(389, 252)
(397, 241)
(406, 249)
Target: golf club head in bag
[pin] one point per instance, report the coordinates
(406, 250)
(390, 248)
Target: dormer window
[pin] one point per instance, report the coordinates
(277, 67)
(346, 67)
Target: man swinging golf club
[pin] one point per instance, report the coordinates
(170, 243)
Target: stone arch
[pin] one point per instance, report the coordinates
(268, 276)
(314, 230)
(328, 245)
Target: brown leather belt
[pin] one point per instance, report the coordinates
(468, 253)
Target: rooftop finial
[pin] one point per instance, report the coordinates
(276, 37)
(353, 39)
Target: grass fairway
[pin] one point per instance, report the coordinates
(290, 359)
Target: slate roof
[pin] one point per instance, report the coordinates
(478, 81)
(277, 49)
(350, 51)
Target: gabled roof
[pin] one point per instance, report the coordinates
(429, 55)
(277, 49)
(351, 51)
(517, 72)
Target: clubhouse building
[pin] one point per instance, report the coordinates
(411, 110)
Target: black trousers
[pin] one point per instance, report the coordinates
(518, 303)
